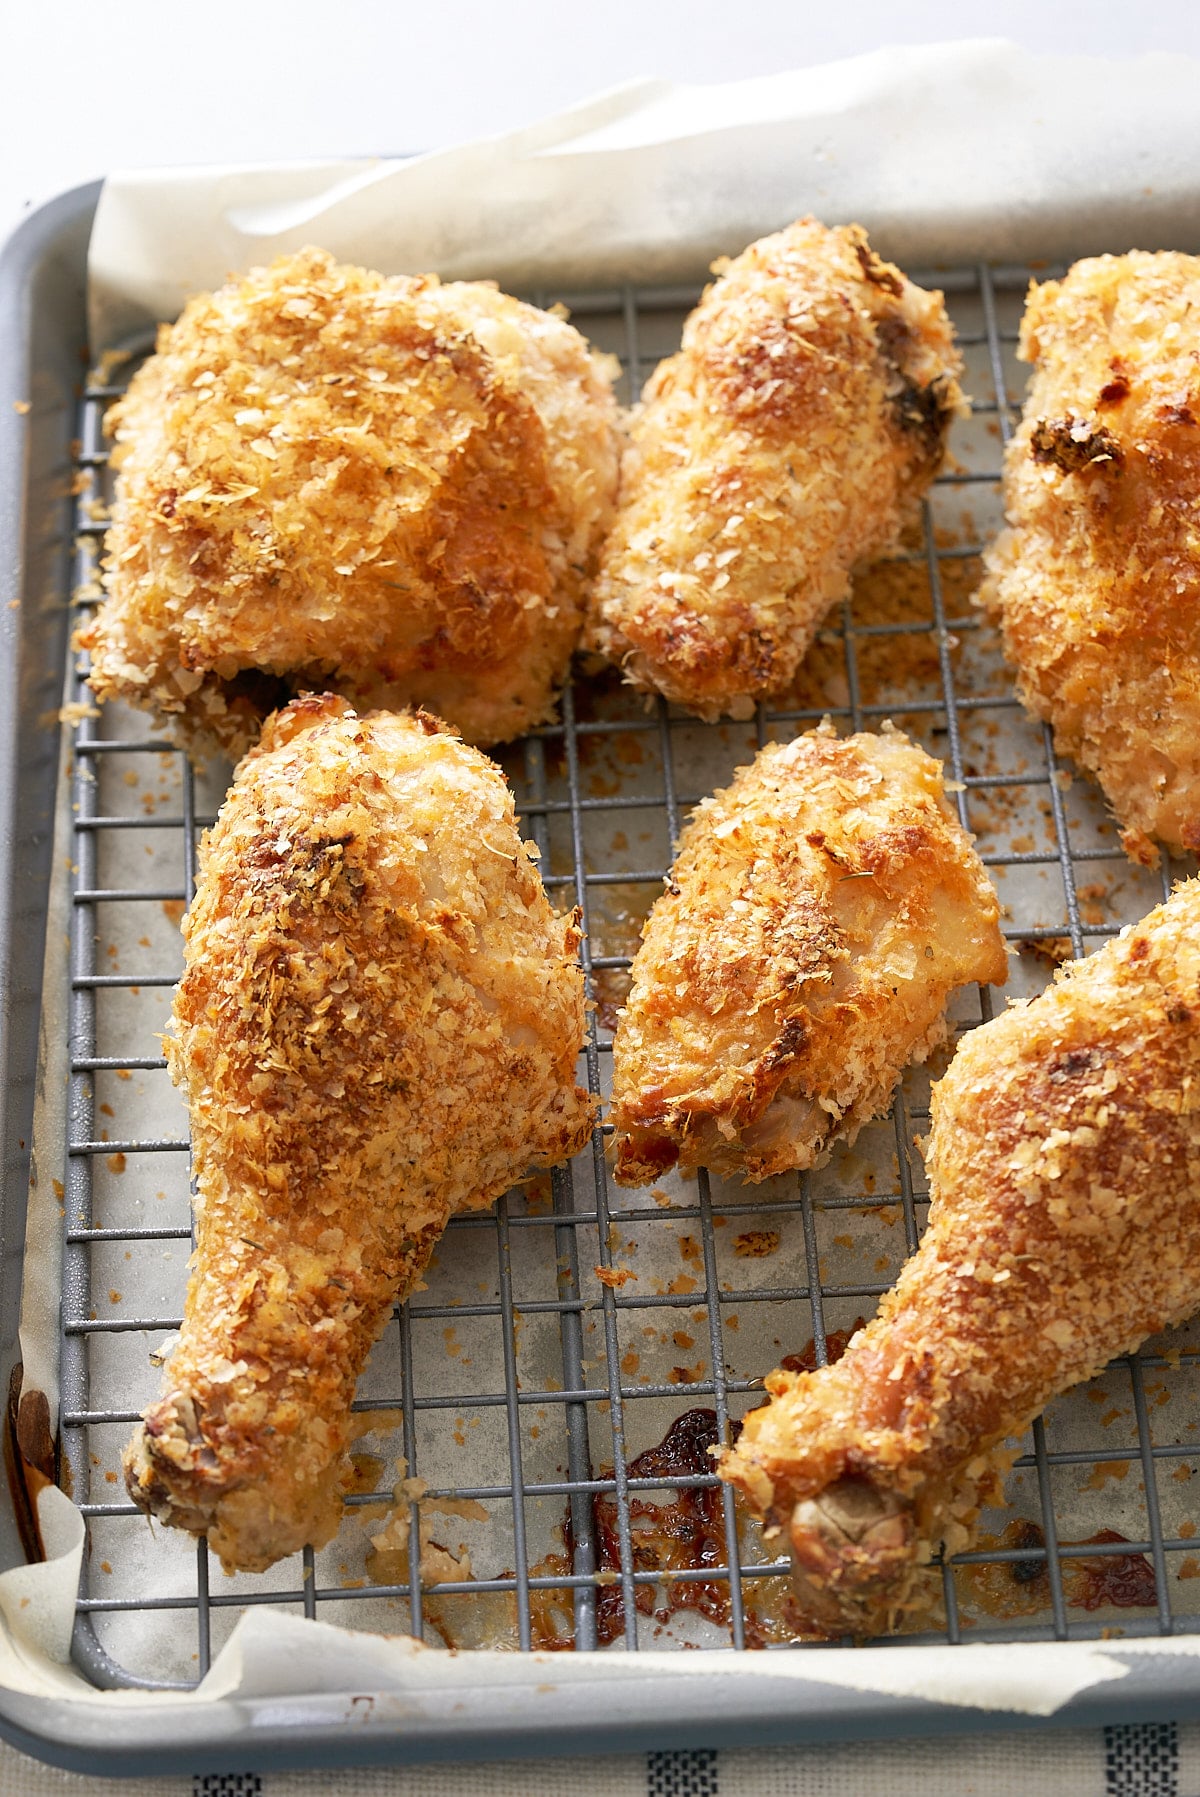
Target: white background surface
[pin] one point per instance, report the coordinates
(91, 85)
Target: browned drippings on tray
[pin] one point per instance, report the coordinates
(1109, 1581)
(835, 1346)
(1053, 950)
(1008, 1589)
(365, 1473)
(488, 1619)
(685, 1534)
(610, 988)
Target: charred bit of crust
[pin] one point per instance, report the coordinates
(1070, 444)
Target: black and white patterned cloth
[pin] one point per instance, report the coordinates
(1154, 1759)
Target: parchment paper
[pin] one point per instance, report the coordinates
(946, 152)
(281, 1656)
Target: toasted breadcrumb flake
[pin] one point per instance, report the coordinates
(614, 1277)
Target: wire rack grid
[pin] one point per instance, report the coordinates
(534, 1443)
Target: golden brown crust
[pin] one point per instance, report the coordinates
(805, 413)
(820, 912)
(1064, 1229)
(326, 478)
(377, 1026)
(1094, 583)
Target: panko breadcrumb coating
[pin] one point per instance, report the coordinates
(1064, 1229)
(328, 479)
(377, 1026)
(819, 914)
(1095, 583)
(783, 445)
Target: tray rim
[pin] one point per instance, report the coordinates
(702, 1710)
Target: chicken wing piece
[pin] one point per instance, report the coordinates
(784, 444)
(325, 478)
(818, 916)
(1095, 581)
(377, 1026)
(1064, 1229)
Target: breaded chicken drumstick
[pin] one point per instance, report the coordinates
(782, 446)
(1064, 1229)
(819, 914)
(1096, 582)
(328, 479)
(377, 1026)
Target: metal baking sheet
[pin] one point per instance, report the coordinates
(521, 1393)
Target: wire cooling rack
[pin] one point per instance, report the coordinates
(563, 1336)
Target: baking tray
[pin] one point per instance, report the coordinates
(810, 1258)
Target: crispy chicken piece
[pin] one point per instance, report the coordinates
(377, 1026)
(1095, 581)
(1064, 1229)
(819, 914)
(326, 478)
(784, 444)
